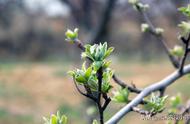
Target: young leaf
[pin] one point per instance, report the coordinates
(133, 2)
(95, 122)
(177, 51)
(175, 101)
(185, 27)
(185, 10)
(71, 36)
(159, 31)
(155, 103)
(145, 27)
(97, 52)
(121, 95)
(56, 119)
(53, 119)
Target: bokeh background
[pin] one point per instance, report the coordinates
(35, 58)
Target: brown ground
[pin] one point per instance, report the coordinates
(39, 88)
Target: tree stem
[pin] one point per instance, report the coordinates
(101, 114)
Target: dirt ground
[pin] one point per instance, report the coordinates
(38, 89)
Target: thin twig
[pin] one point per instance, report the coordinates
(159, 37)
(84, 94)
(146, 91)
(162, 91)
(124, 85)
(186, 42)
(184, 111)
(141, 111)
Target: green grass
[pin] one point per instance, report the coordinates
(75, 114)
(60, 72)
(12, 91)
(7, 117)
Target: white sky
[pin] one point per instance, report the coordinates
(51, 7)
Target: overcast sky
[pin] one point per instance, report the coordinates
(51, 7)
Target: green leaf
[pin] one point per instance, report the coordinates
(133, 2)
(88, 72)
(108, 52)
(145, 27)
(185, 27)
(56, 119)
(175, 101)
(96, 65)
(106, 64)
(63, 119)
(185, 10)
(156, 103)
(107, 76)
(53, 119)
(177, 51)
(141, 6)
(97, 52)
(71, 36)
(71, 73)
(84, 66)
(106, 87)
(121, 95)
(80, 79)
(95, 122)
(159, 31)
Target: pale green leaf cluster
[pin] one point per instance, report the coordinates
(121, 96)
(56, 119)
(138, 5)
(177, 51)
(185, 10)
(88, 77)
(133, 1)
(71, 36)
(95, 122)
(185, 28)
(156, 103)
(97, 52)
(175, 103)
(145, 27)
(159, 31)
(107, 76)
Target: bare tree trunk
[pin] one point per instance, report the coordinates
(102, 30)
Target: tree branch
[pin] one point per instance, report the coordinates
(184, 111)
(115, 78)
(84, 94)
(152, 29)
(102, 28)
(123, 85)
(140, 111)
(154, 87)
(186, 42)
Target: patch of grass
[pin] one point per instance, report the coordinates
(8, 118)
(74, 114)
(182, 87)
(12, 91)
(60, 73)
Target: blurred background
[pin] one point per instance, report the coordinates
(35, 58)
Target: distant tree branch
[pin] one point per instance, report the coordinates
(186, 42)
(159, 37)
(185, 110)
(74, 10)
(102, 28)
